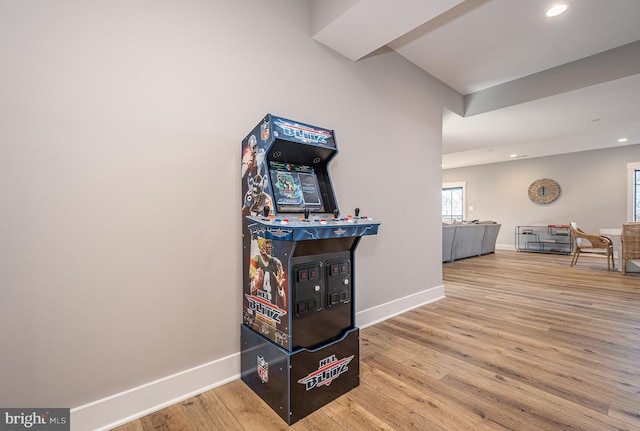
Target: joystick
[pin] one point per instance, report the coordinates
(336, 213)
(357, 212)
(265, 211)
(306, 214)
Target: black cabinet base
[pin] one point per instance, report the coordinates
(295, 384)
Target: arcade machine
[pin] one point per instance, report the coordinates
(300, 345)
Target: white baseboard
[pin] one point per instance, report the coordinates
(505, 247)
(118, 409)
(385, 311)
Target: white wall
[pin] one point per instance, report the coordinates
(121, 125)
(593, 190)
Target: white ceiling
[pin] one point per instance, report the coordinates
(533, 86)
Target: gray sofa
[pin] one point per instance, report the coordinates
(460, 240)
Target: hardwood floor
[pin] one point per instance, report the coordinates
(522, 342)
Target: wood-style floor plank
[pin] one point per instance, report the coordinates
(521, 342)
(171, 418)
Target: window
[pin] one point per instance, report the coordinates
(453, 201)
(634, 191)
(633, 205)
(636, 195)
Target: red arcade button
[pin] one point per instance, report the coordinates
(313, 273)
(303, 275)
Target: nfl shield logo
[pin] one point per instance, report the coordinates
(264, 131)
(263, 369)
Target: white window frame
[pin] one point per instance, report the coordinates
(462, 184)
(631, 204)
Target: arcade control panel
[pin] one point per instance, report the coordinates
(307, 226)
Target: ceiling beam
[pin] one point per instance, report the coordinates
(606, 66)
(365, 26)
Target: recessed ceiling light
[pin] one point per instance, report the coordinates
(622, 140)
(557, 9)
(513, 156)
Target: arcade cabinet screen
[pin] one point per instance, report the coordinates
(295, 188)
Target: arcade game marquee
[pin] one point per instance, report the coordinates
(300, 345)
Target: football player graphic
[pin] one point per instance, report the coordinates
(252, 157)
(256, 199)
(267, 276)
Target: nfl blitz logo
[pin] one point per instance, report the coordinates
(263, 370)
(329, 369)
